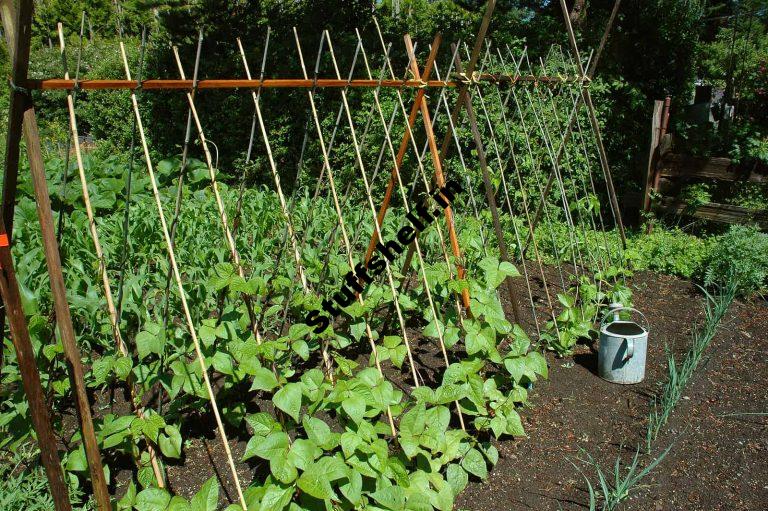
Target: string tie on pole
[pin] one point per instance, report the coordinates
(472, 79)
(17, 88)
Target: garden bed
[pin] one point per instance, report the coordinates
(576, 409)
(715, 462)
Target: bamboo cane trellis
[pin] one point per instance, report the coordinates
(470, 81)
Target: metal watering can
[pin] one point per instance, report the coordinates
(623, 347)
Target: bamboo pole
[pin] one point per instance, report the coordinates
(526, 211)
(339, 214)
(61, 307)
(536, 168)
(505, 190)
(571, 122)
(283, 205)
(596, 130)
(518, 173)
(596, 260)
(127, 209)
(102, 270)
(271, 83)
(180, 287)
(180, 177)
(234, 254)
(422, 264)
(489, 191)
(576, 258)
(376, 226)
(238, 207)
(275, 173)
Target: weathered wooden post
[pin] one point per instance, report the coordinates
(18, 31)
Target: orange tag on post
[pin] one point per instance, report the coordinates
(4, 240)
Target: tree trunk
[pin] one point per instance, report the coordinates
(578, 12)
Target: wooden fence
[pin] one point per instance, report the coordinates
(667, 171)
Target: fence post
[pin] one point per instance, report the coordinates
(652, 154)
(654, 176)
(18, 30)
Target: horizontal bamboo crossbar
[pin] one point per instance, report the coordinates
(280, 83)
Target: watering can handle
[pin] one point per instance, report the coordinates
(646, 325)
(630, 349)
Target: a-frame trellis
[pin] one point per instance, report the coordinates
(499, 156)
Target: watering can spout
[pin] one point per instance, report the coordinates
(614, 307)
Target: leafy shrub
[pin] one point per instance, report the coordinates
(741, 253)
(23, 485)
(673, 252)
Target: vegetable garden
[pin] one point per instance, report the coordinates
(355, 332)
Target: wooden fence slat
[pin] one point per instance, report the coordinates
(681, 165)
(715, 212)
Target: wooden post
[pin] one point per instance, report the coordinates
(595, 127)
(571, 124)
(25, 357)
(654, 175)
(652, 154)
(18, 43)
(61, 308)
(30, 379)
(18, 48)
(20, 36)
(490, 194)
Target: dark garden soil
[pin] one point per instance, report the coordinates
(719, 440)
(718, 460)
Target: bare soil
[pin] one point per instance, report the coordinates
(718, 454)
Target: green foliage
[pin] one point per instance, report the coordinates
(23, 486)
(101, 115)
(695, 195)
(715, 308)
(316, 442)
(616, 486)
(741, 256)
(327, 441)
(582, 305)
(667, 251)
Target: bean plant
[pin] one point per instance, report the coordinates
(313, 443)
